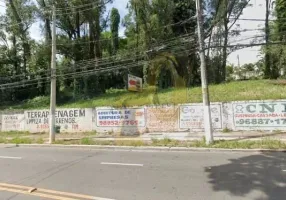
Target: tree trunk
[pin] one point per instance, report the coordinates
(78, 25)
(225, 42)
(26, 46)
(15, 62)
(48, 31)
(97, 31)
(224, 52)
(267, 72)
(91, 40)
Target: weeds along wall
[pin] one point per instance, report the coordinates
(236, 116)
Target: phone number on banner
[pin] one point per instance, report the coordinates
(119, 123)
(261, 122)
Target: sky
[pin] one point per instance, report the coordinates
(246, 55)
(249, 55)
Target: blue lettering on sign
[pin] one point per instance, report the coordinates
(114, 115)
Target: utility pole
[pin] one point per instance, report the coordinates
(53, 80)
(238, 61)
(205, 90)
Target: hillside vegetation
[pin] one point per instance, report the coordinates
(233, 91)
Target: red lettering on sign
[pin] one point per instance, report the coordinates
(132, 82)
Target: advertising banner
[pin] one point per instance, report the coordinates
(192, 116)
(120, 117)
(69, 120)
(13, 122)
(260, 114)
(135, 83)
(162, 118)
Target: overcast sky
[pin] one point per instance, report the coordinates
(247, 55)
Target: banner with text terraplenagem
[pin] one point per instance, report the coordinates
(69, 120)
(260, 114)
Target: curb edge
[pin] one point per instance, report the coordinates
(142, 148)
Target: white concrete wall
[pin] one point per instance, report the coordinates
(69, 120)
(258, 115)
(124, 121)
(13, 122)
(236, 116)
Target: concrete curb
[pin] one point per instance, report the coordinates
(150, 149)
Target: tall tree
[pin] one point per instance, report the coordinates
(267, 72)
(225, 15)
(21, 13)
(114, 27)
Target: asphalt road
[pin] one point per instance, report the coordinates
(123, 175)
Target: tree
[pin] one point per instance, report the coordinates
(275, 59)
(225, 14)
(160, 45)
(267, 73)
(114, 26)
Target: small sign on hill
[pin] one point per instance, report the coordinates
(134, 83)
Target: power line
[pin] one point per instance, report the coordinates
(78, 11)
(110, 59)
(80, 74)
(83, 5)
(74, 75)
(94, 63)
(84, 66)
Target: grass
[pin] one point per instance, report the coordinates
(233, 91)
(263, 144)
(19, 140)
(14, 133)
(226, 130)
(87, 141)
(166, 142)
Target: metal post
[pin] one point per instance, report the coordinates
(205, 90)
(53, 80)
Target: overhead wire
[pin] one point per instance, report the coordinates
(81, 66)
(214, 46)
(83, 73)
(21, 83)
(110, 59)
(120, 61)
(83, 5)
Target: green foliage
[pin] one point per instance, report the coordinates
(275, 55)
(87, 141)
(226, 130)
(280, 14)
(114, 26)
(21, 140)
(162, 33)
(232, 91)
(14, 134)
(40, 141)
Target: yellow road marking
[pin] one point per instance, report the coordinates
(36, 194)
(51, 194)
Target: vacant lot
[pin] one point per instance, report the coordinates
(234, 91)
